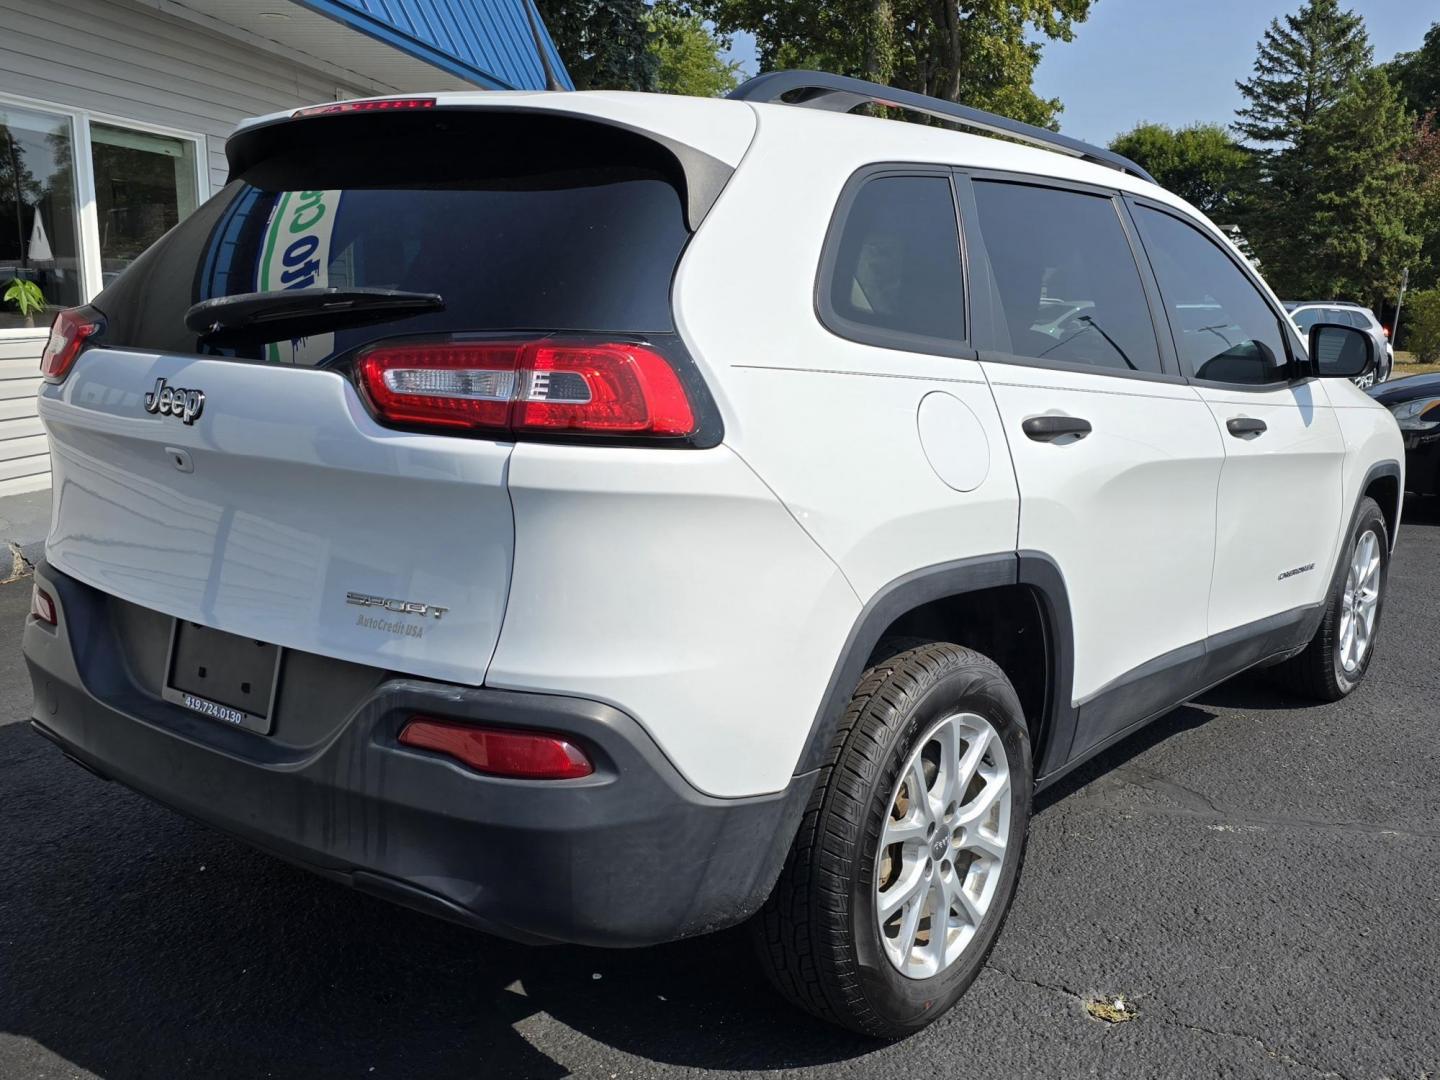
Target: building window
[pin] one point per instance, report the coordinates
(144, 184)
(38, 224)
(81, 196)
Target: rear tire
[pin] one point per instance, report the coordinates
(1335, 661)
(872, 843)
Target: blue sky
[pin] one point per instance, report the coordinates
(1175, 61)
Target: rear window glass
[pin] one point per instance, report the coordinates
(520, 223)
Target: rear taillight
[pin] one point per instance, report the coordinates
(69, 335)
(520, 755)
(515, 388)
(42, 606)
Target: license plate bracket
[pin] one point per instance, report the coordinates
(224, 676)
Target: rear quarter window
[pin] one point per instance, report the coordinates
(891, 273)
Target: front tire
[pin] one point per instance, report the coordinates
(1335, 661)
(921, 807)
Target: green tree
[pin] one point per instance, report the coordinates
(1422, 324)
(1301, 67)
(1363, 223)
(1425, 156)
(606, 44)
(1418, 74)
(1200, 163)
(689, 55)
(981, 52)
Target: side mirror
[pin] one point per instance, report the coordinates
(1340, 352)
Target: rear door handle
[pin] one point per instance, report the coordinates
(1050, 428)
(1240, 426)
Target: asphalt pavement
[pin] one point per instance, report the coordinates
(1258, 878)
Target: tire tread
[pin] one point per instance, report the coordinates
(801, 933)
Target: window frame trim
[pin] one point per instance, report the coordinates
(1297, 361)
(897, 340)
(979, 273)
(86, 203)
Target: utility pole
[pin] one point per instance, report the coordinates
(1400, 301)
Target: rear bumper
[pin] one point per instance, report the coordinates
(632, 855)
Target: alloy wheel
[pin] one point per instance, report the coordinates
(943, 845)
(1360, 603)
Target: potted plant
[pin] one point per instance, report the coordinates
(26, 295)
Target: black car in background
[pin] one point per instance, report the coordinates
(1415, 404)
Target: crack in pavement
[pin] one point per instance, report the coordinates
(19, 564)
(1171, 1021)
(1199, 806)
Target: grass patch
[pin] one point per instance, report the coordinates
(1406, 364)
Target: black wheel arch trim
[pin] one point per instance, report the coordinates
(1380, 470)
(938, 582)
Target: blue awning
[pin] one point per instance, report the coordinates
(486, 42)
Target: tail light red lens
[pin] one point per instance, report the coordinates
(551, 386)
(69, 335)
(42, 606)
(521, 755)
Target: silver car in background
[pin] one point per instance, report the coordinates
(1306, 313)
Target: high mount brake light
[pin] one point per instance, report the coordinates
(372, 105)
(520, 387)
(521, 755)
(69, 333)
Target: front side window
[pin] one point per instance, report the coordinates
(39, 245)
(1223, 327)
(896, 274)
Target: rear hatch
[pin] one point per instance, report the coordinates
(235, 473)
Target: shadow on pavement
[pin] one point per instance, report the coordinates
(136, 942)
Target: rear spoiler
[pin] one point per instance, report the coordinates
(705, 176)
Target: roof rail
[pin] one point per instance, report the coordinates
(839, 93)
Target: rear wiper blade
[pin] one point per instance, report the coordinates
(271, 316)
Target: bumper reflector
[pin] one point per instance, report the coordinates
(42, 606)
(521, 755)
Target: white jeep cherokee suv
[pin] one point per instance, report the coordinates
(607, 518)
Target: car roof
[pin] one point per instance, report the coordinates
(723, 127)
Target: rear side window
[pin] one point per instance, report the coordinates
(520, 223)
(1223, 327)
(892, 276)
(1065, 277)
